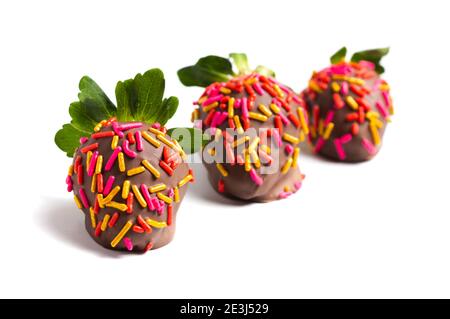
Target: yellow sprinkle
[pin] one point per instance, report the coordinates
(88, 160)
(210, 107)
(225, 90)
(94, 183)
(125, 189)
(218, 135)
(301, 137)
(371, 115)
(312, 129)
(111, 194)
(378, 124)
(356, 81)
(211, 151)
(250, 81)
(391, 108)
(275, 109)
(321, 127)
(340, 77)
(151, 168)
(114, 142)
(93, 220)
(335, 86)
(253, 145)
(100, 200)
(136, 170)
(295, 156)
(195, 115)
(291, 139)
(237, 122)
(186, 179)
(116, 205)
(157, 188)
(286, 188)
(70, 173)
(121, 162)
(77, 201)
(264, 110)
(375, 134)
(150, 139)
(287, 166)
(240, 141)
(255, 159)
(155, 131)
(257, 116)
(266, 148)
(105, 222)
(222, 170)
(121, 234)
(328, 130)
(163, 139)
(313, 86)
(176, 194)
(247, 162)
(384, 87)
(98, 127)
(231, 107)
(302, 118)
(279, 91)
(202, 100)
(139, 196)
(98, 166)
(351, 102)
(155, 223)
(164, 198)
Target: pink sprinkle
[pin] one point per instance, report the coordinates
(320, 143)
(289, 149)
(128, 243)
(237, 103)
(83, 139)
(223, 117)
(171, 193)
(328, 118)
(139, 146)
(367, 64)
(126, 149)
(344, 87)
(84, 198)
(129, 126)
(69, 183)
(339, 149)
(340, 69)
(255, 177)
(284, 119)
(276, 102)
(385, 98)
(296, 99)
(198, 124)
(284, 195)
(381, 109)
(147, 197)
(229, 154)
(213, 92)
(115, 127)
(244, 107)
(155, 204)
(215, 119)
(212, 99)
(370, 148)
(156, 125)
(108, 186)
(276, 136)
(346, 138)
(240, 160)
(92, 163)
(112, 158)
(258, 88)
(265, 158)
(297, 185)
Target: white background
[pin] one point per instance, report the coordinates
(377, 229)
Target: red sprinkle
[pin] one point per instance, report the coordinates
(209, 117)
(103, 134)
(294, 119)
(96, 206)
(113, 220)
(138, 229)
(191, 172)
(100, 183)
(76, 163)
(130, 138)
(221, 186)
(278, 124)
(144, 224)
(80, 174)
(98, 229)
(130, 203)
(352, 117)
(338, 102)
(90, 147)
(269, 89)
(169, 215)
(166, 168)
(355, 129)
(148, 247)
(166, 154)
(231, 124)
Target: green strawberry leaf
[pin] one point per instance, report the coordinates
(95, 101)
(150, 91)
(206, 71)
(68, 139)
(339, 55)
(190, 139)
(168, 109)
(126, 97)
(241, 62)
(373, 55)
(260, 69)
(80, 118)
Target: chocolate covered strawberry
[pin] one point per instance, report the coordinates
(255, 125)
(349, 106)
(128, 176)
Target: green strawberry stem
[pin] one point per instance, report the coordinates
(372, 55)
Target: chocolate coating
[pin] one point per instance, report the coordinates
(238, 183)
(359, 122)
(141, 241)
